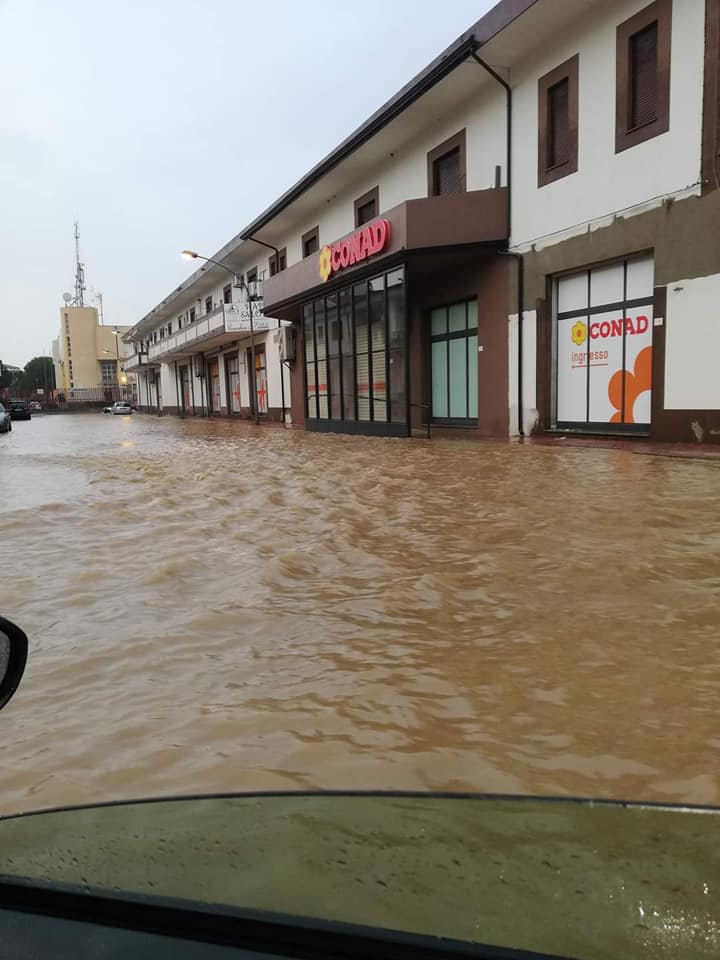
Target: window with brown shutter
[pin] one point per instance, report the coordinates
(367, 207)
(446, 173)
(643, 75)
(278, 263)
(311, 242)
(447, 167)
(558, 122)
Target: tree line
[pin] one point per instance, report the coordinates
(37, 374)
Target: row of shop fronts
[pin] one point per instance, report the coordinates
(422, 343)
(415, 288)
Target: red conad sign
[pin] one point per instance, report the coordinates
(360, 245)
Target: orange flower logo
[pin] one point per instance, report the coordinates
(579, 333)
(636, 383)
(325, 263)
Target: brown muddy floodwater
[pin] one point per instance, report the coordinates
(213, 607)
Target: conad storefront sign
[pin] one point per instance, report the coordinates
(364, 243)
(604, 344)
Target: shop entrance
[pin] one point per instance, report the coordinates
(232, 367)
(214, 378)
(185, 381)
(454, 364)
(602, 347)
(261, 396)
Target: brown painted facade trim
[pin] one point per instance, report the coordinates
(566, 71)
(625, 135)
(711, 99)
(456, 142)
(372, 196)
(453, 220)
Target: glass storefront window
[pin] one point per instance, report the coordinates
(602, 347)
(453, 362)
(355, 352)
(396, 342)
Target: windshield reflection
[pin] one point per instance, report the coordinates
(581, 879)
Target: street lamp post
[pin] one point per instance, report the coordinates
(239, 282)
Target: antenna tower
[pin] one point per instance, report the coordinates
(79, 270)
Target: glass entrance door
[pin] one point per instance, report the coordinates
(233, 382)
(258, 390)
(602, 346)
(185, 380)
(453, 364)
(214, 376)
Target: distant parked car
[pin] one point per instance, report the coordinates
(35, 406)
(5, 420)
(122, 407)
(20, 410)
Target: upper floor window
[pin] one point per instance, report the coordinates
(558, 122)
(227, 293)
(180, 322)
(252, 276)
(447, 167)
(191, 318)
(367, 207)
(208, 304)
(643, 76)
(279, 262)
(311, 242)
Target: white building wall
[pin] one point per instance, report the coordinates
(529, 373)
(276, 370)
(606, 182)
(167, 385)
(404, 175)
(692, 345)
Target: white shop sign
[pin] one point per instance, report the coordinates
(237, 317)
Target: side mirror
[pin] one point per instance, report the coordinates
(13, 657)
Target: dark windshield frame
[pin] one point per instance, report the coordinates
(393, 794)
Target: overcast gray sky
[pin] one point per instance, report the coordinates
(164, 124)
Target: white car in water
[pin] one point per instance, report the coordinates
(121, 407)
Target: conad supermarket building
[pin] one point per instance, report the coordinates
(526, 237)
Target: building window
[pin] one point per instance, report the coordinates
(192, 315)
(643, 76)
(109, 372)
(311, 242)
(367, 207)
(354, 348)
(446, 166)
(602, 347)
(227, 293)
(454, 363)
(278, 263)
(208, 305)
(169, 328)
(558, 122)
(180, 322)
(252, 276)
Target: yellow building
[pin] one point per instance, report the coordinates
(89, 357)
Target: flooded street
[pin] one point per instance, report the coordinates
(213, 607)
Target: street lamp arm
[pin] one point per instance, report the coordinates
(263, 244)
(192, 255)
